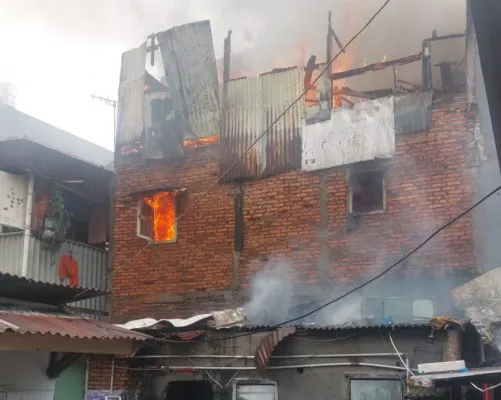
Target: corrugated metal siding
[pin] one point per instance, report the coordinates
(253, 105)
(268, 344)
(92, 264)
(130, 95)
(364, 133)
(11, 251)
(413, 113)
(242, 126)
(43, 265)
(283, 141)
(190, 65)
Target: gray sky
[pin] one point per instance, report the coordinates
(59, 52)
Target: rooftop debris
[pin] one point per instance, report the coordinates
(480, 299)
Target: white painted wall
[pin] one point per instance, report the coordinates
(364, 133)
(22, 376)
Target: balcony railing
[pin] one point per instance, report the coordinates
(43, 265)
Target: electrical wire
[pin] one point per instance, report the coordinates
(487, 388)
(355, 289)
(399, 356)
(287, 109)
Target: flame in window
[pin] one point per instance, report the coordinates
(163, 205)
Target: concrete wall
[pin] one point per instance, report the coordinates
(366, 132)
(488, 176)
(22, 376)
(311, 383)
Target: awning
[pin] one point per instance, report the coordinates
(45, 327)
(19, 288)
(268, 344)
(478, 375)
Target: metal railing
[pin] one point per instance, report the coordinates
(43, 265)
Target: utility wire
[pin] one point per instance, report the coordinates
(326, 68)
(355, 289)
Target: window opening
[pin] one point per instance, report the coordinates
(189, 390)
(157, 217)
(367, 192)
(376, 389)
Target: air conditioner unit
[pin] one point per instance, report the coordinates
(13, 193)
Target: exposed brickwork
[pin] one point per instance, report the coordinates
(100, 373)
(427, 184)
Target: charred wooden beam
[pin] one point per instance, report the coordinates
(310, 67)
(377, 66)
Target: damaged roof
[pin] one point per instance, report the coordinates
(35, 318)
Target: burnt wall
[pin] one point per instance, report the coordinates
(301, 216)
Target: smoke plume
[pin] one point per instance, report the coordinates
(271, 32)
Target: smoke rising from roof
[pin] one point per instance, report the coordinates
(273, 33)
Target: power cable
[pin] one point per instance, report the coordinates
(355, 289)
(326, 68)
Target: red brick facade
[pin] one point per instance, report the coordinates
(427, 180)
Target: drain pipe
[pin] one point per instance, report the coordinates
(112, 374)
(295, 356)
(27, 224)
(272, 368)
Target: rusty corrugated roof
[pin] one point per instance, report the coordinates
(61, 324)
(268, 344)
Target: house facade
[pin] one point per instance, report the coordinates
(55, 206)
(222, 202)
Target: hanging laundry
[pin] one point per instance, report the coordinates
(68, 268)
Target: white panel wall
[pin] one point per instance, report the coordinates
(22, 376)
(364, 133)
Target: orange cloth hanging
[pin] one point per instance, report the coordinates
(68, 268)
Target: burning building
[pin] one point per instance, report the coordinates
(230, 192)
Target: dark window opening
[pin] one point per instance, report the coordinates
(367, 192)
(376, 389)
(189, 390)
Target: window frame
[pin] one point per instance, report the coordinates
(252, 382)
(139, 220)
(350, 378)
(354, 171)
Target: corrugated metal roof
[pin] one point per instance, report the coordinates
(253, 105)
(268, 344)
(130, 96)
(328, 328)
(15, 287)
(191, 71)
(18, 125)
(63, 325)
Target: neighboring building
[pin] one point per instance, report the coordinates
(55, 205)
(44, 344)
(344, 185)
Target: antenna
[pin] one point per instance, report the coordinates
(112, 103)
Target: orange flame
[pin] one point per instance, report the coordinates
(199, 142)
(163, 205)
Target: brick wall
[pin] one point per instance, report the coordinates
(427, 184)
